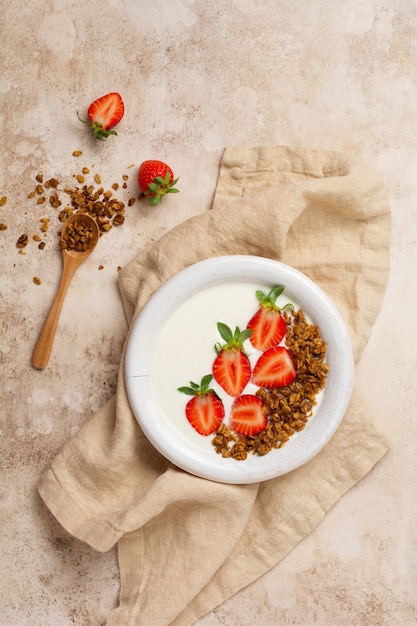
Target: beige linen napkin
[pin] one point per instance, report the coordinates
(185, 544)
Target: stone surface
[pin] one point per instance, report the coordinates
(196, 77)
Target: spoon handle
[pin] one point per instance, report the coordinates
(43, 348)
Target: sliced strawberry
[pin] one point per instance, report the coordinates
(205, 411)
(248, 415)
(267, 324)
(232, 371)
(104, 113)
(274, 368)
(231, 368)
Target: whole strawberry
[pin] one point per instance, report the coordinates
(103, 114)
(156, 179)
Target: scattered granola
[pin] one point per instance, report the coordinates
(99, 203)
(83, 197)
(22, 241)
(44, 224)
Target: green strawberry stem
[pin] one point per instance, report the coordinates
(269, 300)
(98, 130)
(161, 186)
(203, 389)
(234, 341)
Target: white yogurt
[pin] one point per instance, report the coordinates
(185, 350)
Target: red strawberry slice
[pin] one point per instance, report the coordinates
(269, 328)
(267, 324)
(205, 411)
(248, 415)
(231, 368)
(274, 368)
(104, 113)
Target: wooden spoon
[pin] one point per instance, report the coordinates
(72, 259)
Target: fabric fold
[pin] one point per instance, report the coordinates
(326, 214)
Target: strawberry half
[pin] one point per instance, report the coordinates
(103, 114)
(205, 411)
(248, 415)
(267, 324)
(274, 368)
(231, 368)
(155, 179)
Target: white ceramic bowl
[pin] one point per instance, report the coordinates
(171, 342)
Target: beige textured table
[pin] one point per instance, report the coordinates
(197, 76)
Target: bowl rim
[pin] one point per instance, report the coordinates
(176, 290)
